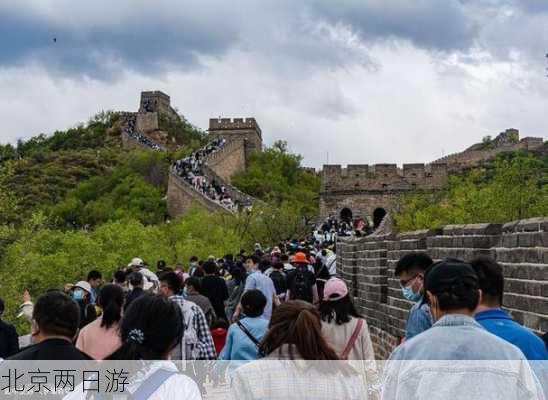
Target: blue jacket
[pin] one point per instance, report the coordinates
(419, 319)
(501, 324)
(238, 347)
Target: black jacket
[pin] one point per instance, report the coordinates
(51, 349)
(9, 341)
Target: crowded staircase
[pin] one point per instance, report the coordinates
(193, 171)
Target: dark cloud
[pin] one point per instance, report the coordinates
(296, 36)
(432, 24)
(141, 44)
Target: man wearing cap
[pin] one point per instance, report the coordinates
(453, 293)
(150, 278)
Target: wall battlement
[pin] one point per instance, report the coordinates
(363, 188)
(229, 124)
(384, 177)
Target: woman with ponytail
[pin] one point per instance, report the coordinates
(102, 336)
(298, 362)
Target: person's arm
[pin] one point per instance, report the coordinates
(315, 295)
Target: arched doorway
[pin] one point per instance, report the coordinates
(378, 216)
(346, 215)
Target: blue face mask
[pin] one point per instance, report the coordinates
(78, 295)
(410, 295)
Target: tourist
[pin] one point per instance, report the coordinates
(95, 280)
(55, 321)
(235, 286)
(136, 282)
(193, 265)
(347, 332)
(9, 342)
(81, 293)
(120, 279)
(279, 278)
(142, 340)
(257, 280)
(197, 343)
(214, 288)
(219, 332)
(150, 279)
(245, 335)
(191, 293)
(301, 282)
(294, 336)
(453, 294)
(492, 317)
(410, 271)
(101, 337)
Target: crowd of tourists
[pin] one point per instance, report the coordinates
(190, 169)
(129, 129)
(331, 228)
(241, 313)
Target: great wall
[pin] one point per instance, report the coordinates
(367, 263)
(374, 190)
(243, 137)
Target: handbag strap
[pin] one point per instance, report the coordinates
(352, 340)
(248, 334)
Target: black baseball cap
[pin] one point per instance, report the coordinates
(445, 274)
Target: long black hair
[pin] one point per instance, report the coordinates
(151, 327)
(339, 310)
(111, 300)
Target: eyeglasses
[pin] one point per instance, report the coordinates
(405, 283)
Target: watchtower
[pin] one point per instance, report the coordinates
(156, 101)
(238, 129)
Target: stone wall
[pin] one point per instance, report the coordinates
(229, 160)
(521, 247)
(181, 197)
(147, 122)
(380, 185)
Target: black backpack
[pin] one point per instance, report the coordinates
(301, 288)
(280, 283)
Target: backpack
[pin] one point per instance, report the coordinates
(301, 288)
(280, 283)
(189, 342)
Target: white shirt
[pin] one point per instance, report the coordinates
(177, 386)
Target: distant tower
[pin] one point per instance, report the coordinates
(157, 101)
(246, 129)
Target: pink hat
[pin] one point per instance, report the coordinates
(335, 289)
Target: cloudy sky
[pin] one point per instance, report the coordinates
(352, 81)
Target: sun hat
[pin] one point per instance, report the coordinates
(299, 258)
(136, 262)
(83, 285)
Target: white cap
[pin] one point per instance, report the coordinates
(136, 262)
(83, 285)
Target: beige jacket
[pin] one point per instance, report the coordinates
(362, 355)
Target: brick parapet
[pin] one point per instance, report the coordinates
(521, 247)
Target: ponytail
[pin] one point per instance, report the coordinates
(111, 299)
